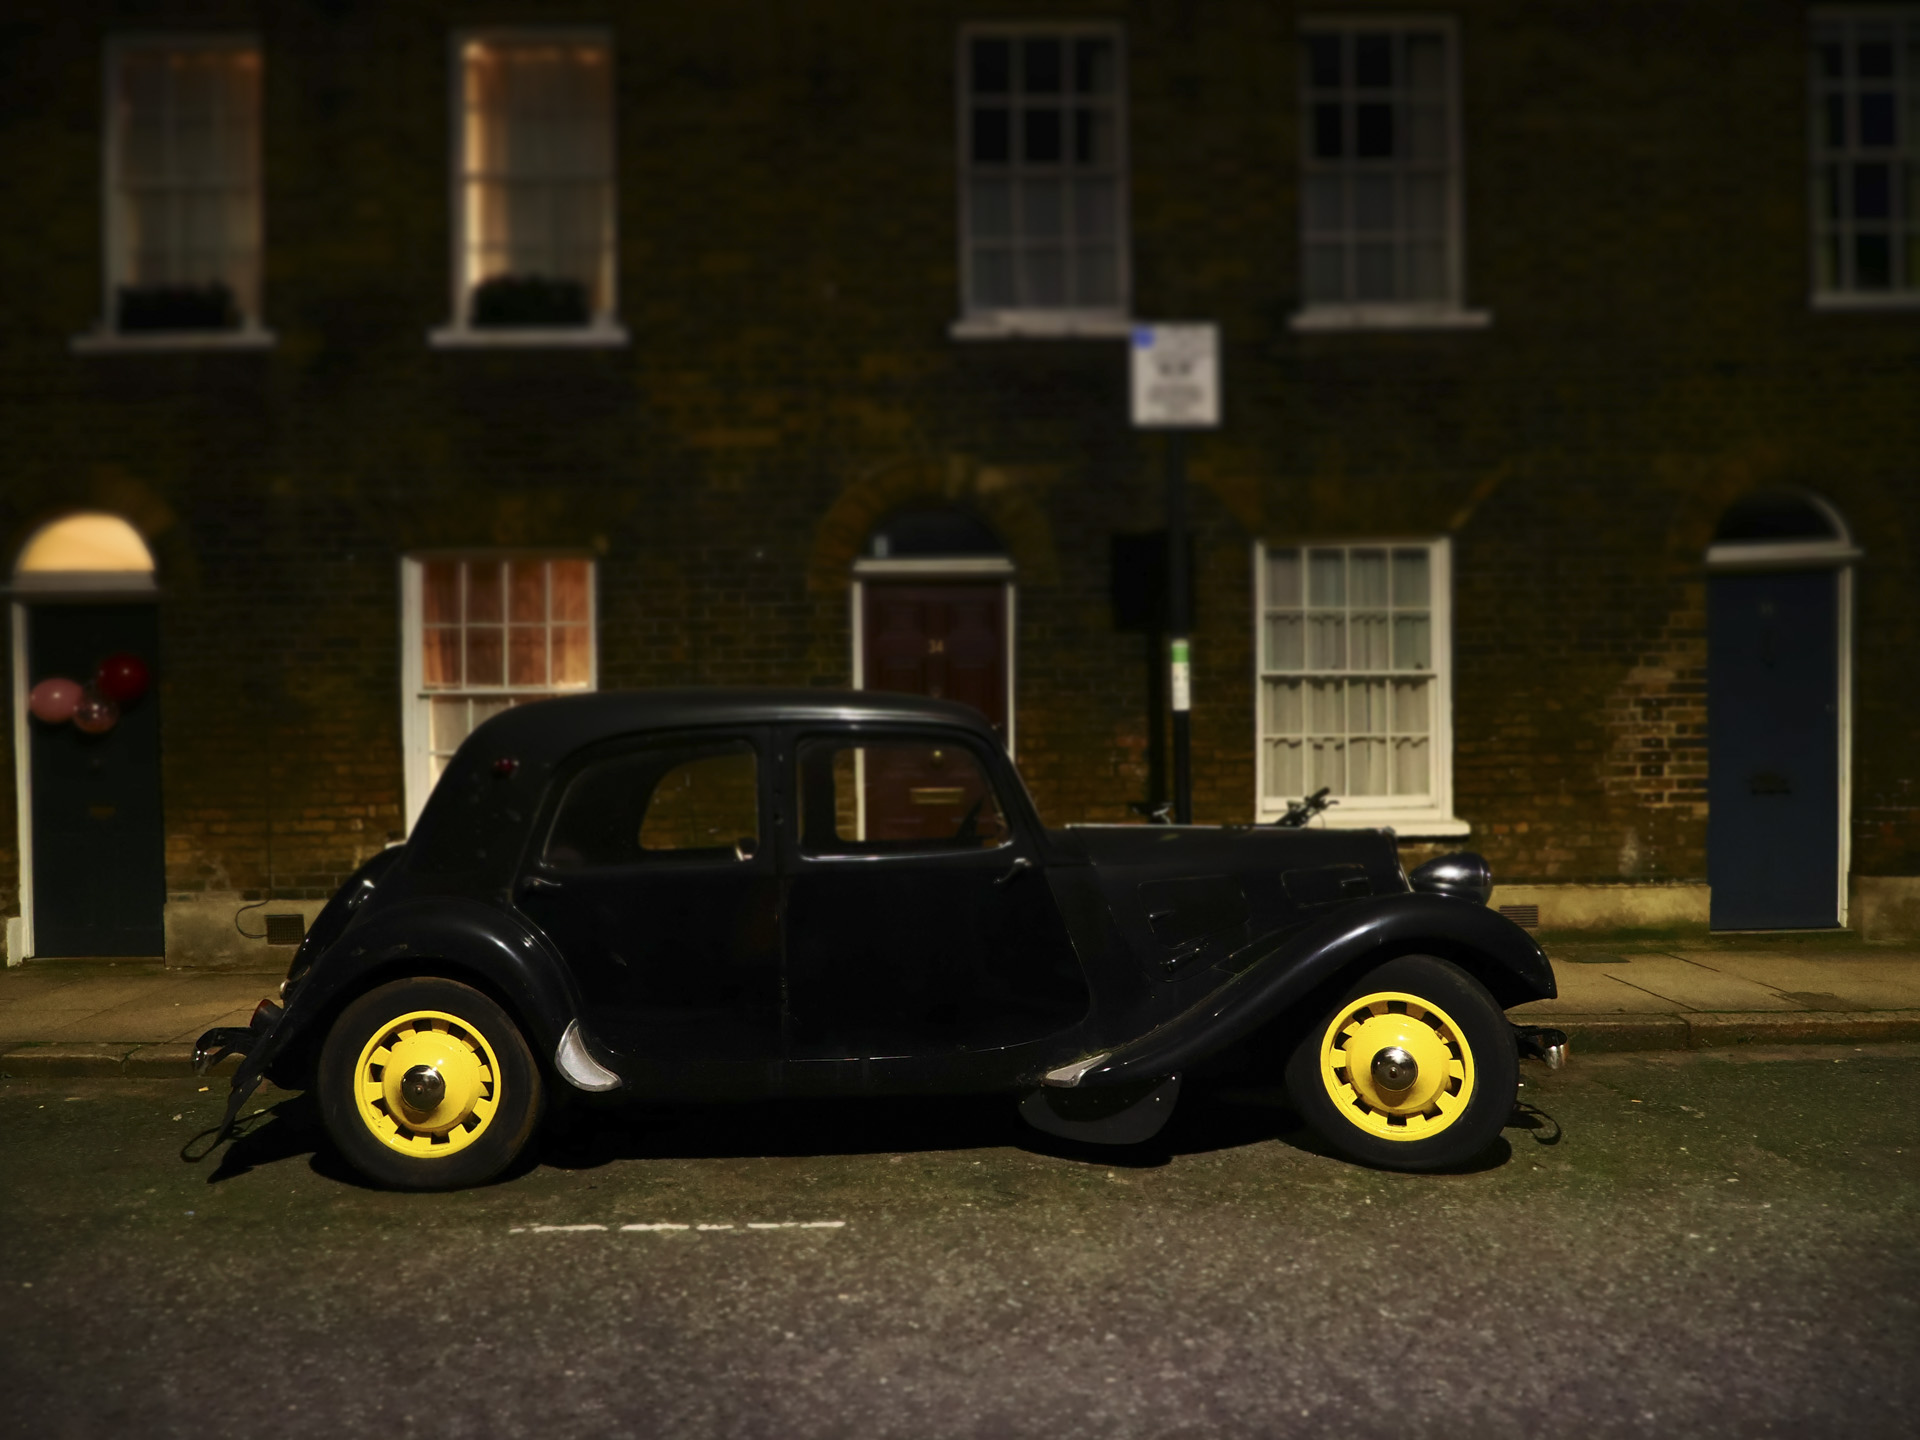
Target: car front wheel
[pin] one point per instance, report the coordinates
(426, 1084)
(1414, 1069)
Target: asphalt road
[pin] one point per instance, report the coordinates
(1715, 1245)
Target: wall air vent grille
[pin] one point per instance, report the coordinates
(286, 929)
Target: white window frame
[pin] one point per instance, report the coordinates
(1449, 313)
(1431, 817)
(106, 335)
(416, 701)
(1104, 322)
(601, 331)
(1902, 159)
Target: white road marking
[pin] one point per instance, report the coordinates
(660, 1226)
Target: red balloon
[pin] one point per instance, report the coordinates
(53, 699)
(122, 678)
(95, 714)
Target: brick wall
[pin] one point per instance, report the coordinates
(787, 270)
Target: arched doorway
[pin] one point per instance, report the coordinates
(933, 611)
(1779, 661)
(92, 853)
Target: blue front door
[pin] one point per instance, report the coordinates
(1773, 750)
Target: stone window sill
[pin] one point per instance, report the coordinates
(601, 335)
(1042, 325)
(108, 342)
(1319, 318)
(1844, 301)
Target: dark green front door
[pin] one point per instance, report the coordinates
(99, 877)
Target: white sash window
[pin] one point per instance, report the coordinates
(1355, 682)
(482, 633)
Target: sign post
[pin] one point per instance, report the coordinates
(1176, 388)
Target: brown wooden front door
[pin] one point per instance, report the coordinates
(946, 640)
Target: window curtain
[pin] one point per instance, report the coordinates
(539, 164)
(188, 146)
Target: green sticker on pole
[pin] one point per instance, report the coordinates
(1182, 677)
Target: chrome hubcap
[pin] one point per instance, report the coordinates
(1394, 1069)
(422, 1089)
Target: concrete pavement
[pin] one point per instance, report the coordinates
(102, 1019)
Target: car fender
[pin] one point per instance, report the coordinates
(452, 936)
(1302, 964)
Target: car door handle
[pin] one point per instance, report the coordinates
(537, 882)
(1014, 871)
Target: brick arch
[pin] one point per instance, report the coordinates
(995, 494)
(1706, 495)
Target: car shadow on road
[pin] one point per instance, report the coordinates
(586, 1139)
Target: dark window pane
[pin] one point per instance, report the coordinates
(1872, 262)
(1373, 61)
(1041, 136)
(993, 287)
(1876, 118)
(1876, 59)
(1373, 272)
(991, 132)
(1093, 67)
(1323, 61)
(1832, 63)
(1326, 132)
(992, 67)
(1040, 62)
(1373, 131)
(1095, 137)
(1836, 132)
(1872, 192)
(1096, 277)
(1046, 277)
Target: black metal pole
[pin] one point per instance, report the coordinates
(1179, 622)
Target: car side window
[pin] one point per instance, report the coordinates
(895, 796)
(685, 801)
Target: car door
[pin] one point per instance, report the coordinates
(654, 875)
(924, 950)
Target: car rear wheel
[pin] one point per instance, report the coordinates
(1414, 1069)
(426, 1084)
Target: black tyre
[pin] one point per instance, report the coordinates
(426, 1084)
(1414, 1069)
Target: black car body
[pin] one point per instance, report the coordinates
(712, 895)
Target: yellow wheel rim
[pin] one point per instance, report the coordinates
(1388, 1020)
(469, 1084)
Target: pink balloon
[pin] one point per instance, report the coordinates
(94, 714)
(54, 700)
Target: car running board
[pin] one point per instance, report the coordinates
(1103, 1114)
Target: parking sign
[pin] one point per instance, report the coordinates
(1176, 377)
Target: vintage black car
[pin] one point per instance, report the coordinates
(713, 895)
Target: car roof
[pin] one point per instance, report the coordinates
(548, 729)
